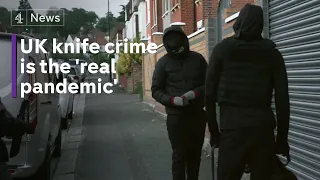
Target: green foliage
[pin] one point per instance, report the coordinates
(5, 16)
(122, 14)
(124, 63)
(103, 23)
(126, 59)
(101, 58)
(77, 19)
(136, 55)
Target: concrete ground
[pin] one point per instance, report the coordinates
(115, 136)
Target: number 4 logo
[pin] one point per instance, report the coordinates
(19, 18)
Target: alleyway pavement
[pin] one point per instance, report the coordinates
(123, 140)
(118, 137)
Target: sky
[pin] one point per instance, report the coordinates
(98, 6)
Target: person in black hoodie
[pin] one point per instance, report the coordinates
(243, 72)
(12, 127)
(178, 84)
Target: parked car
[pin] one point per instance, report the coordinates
(66, 103)
(84, 75)
(73, 62)
(74, 75)
(42, 110)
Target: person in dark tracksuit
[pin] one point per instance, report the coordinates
(9, 126)
(178, 84)
(243, 72)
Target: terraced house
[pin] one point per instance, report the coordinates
(293, 25)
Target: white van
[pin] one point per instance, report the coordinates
(42, 110)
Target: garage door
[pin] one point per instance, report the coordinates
(295, 27)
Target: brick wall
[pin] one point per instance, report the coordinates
(148, 68)
(130, 82)
(185, 13)
(176, 15)
(156, 25)
(188, 15)
(136, 76)
(199, 12)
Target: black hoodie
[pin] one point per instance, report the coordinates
(243, 72)
(178, 73)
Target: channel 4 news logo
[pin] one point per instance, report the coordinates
(37, 17)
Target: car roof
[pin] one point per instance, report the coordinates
(19, 36)
(8, 36)
(74, 66)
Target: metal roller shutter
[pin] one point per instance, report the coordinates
(295, 28)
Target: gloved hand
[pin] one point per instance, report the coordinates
(215, 140)
(282, 146)
(247, 169)
(179, 101)
(190, 95)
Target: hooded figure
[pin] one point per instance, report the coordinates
(178, 84)
(243, 72)
(10, 127)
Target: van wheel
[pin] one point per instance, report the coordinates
(58, 145)
(44, 172)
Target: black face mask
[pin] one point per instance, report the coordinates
(174, 41)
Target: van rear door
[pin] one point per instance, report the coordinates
(12, 104)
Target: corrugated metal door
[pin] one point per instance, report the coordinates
(295, 28)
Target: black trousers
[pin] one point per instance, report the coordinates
(253, 146)
(186, 134)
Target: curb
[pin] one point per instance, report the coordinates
(70, 149)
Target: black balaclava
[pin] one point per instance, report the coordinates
(175, 41)
(249, 24)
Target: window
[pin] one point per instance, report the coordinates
(154, 12)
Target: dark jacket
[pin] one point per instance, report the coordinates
(243, 72)
(176, 75)
(11, 127)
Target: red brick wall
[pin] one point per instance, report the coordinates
(199, 13)
(240, 3)
(185, 13)
(156, 26)
(148, 25)
(159, 16)
(151, 13)
(176, 13)
(136, 76)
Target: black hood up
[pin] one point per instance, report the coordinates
(184, 41)
(249, 24)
